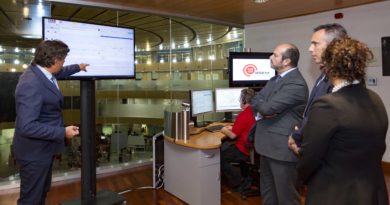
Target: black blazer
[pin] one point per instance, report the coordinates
(342, 148)
(39, 129)
(321, 87)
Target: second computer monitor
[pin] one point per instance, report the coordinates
(201, 102)
(227, 99)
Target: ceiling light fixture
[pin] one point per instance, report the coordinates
(260, 1)
(26, 11)
(40, 10)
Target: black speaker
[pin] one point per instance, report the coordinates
(386, 56)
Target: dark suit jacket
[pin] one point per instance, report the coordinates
(342, 148)
(286, 100)
(321, 87)
(39, 129)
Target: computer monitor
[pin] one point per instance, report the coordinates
(108, 49)
(249, 69)
(227, 99)
(202, 102)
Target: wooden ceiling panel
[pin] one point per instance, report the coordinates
(63, 11)
(230, 12)
(130, 18)
(190, 19)
(107, 16)
(88, 13)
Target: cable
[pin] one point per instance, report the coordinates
(139, 188)
(160, 177)
(159, 182)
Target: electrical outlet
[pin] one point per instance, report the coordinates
(372, 81)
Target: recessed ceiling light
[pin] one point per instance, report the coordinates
(26, 11)
(260, 1)
(32, 36)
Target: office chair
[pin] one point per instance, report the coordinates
(251, 174)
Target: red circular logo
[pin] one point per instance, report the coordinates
(249, 69)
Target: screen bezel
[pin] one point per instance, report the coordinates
(227, 110)
(95, 77)
(246, 55)
(191, 102)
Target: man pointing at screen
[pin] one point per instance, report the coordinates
(39, 129)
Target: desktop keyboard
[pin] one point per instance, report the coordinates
(214, 128)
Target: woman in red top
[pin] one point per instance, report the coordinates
(237, 152)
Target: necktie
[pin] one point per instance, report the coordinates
(54, 81)
(314, 93)
(278, 78)
(323, 78)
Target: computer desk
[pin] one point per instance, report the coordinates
(192, 167)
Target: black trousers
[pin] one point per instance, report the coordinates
(35, 181)
(230, 154)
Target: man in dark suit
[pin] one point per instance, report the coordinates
(39, 129)
(322, 36)
(280, 105)
(345, 138)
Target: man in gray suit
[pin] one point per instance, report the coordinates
(280, 105)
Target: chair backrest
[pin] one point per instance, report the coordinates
(134, 140)
(251, 134)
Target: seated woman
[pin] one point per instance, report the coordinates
(344, 139)
(238, 152)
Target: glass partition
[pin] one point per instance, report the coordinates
(183, 55)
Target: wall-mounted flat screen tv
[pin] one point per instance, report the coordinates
(249, 69)
(108, 49)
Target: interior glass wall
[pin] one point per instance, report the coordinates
(128, 112)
